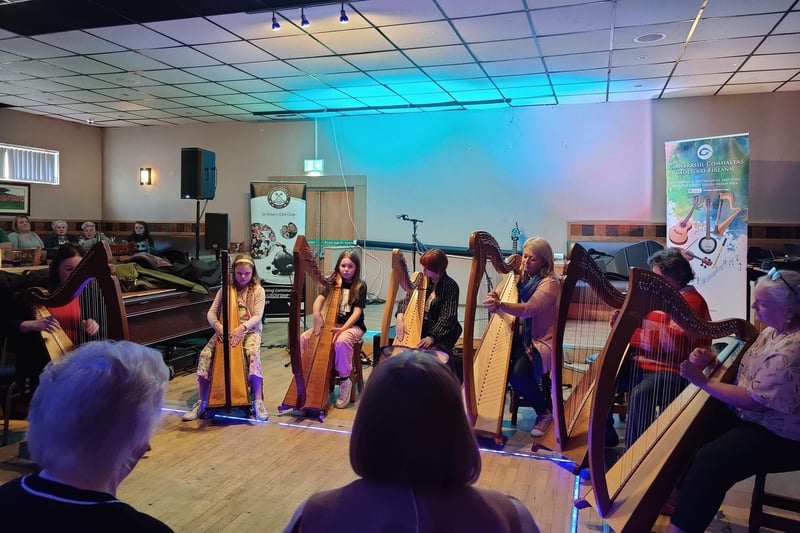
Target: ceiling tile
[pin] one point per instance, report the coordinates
(355, 41)
(499, 50)
(494, 27)
(80, 42)
(180, 57)
(296, 46)
(420, 35)
(729, 28)
(234, 52)
(192, 31)
(573, 19)
(134, 36)
(30, 48)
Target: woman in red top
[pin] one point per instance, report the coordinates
(661, 346)
(24, 330)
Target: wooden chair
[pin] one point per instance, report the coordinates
(356, 375)
(516, 401)
(762, 519)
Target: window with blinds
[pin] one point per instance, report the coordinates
(27, 164)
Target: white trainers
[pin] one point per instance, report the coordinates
(195, 412)
(541, 425)
(260, 410)
(345, 387)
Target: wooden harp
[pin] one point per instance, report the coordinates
(583, 311)
(415, 310)
(486, 368)
(228, 373)
(310, 385)
(94, 288)
(630, 494)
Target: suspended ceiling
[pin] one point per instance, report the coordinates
(157, 62)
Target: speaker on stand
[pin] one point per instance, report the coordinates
(198, 182)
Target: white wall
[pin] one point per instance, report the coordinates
(458, 171)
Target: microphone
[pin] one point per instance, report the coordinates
(401, 216)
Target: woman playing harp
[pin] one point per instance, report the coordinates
(248, 310)
(660, 346)
(532, 346)
(83, 303)
(761, 433)
(437, 328)
(630, 493)
(486, 368)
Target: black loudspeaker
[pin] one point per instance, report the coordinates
(218, 231)
(198, 173)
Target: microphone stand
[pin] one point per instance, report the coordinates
(415, 243)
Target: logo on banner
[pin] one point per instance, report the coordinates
(278, 197)
(705, 151)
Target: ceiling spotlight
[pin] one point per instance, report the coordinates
(275, 25)
(304, 23)
(343, 16)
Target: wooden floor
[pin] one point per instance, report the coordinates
(233, 474)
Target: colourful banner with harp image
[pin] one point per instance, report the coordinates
(707, 187)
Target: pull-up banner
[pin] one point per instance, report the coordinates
(707, 184)
(277, 217)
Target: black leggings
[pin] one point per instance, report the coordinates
(741, 450)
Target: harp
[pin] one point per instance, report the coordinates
(309, 388)
(630, 494)
(486, 368)
(731, 212)
(583, 311)
(94, 292)
(415, 310)
(228, 373)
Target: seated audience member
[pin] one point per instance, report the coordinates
(4, 239)
(90, 422)
(141, 236)
(417, 464)
(89, 235)
(60, 235)
(23, 237)
(660, 346)
(532, 345)
(761, 430)
(440, 327)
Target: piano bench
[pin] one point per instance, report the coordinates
(356, 375)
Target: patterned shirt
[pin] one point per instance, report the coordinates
(770, 372)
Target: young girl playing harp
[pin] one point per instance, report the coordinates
(350, 326)
(250, 298)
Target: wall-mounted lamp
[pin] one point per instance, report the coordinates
(145, 176)
(343, 16)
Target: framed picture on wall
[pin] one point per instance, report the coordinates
(15, 199)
